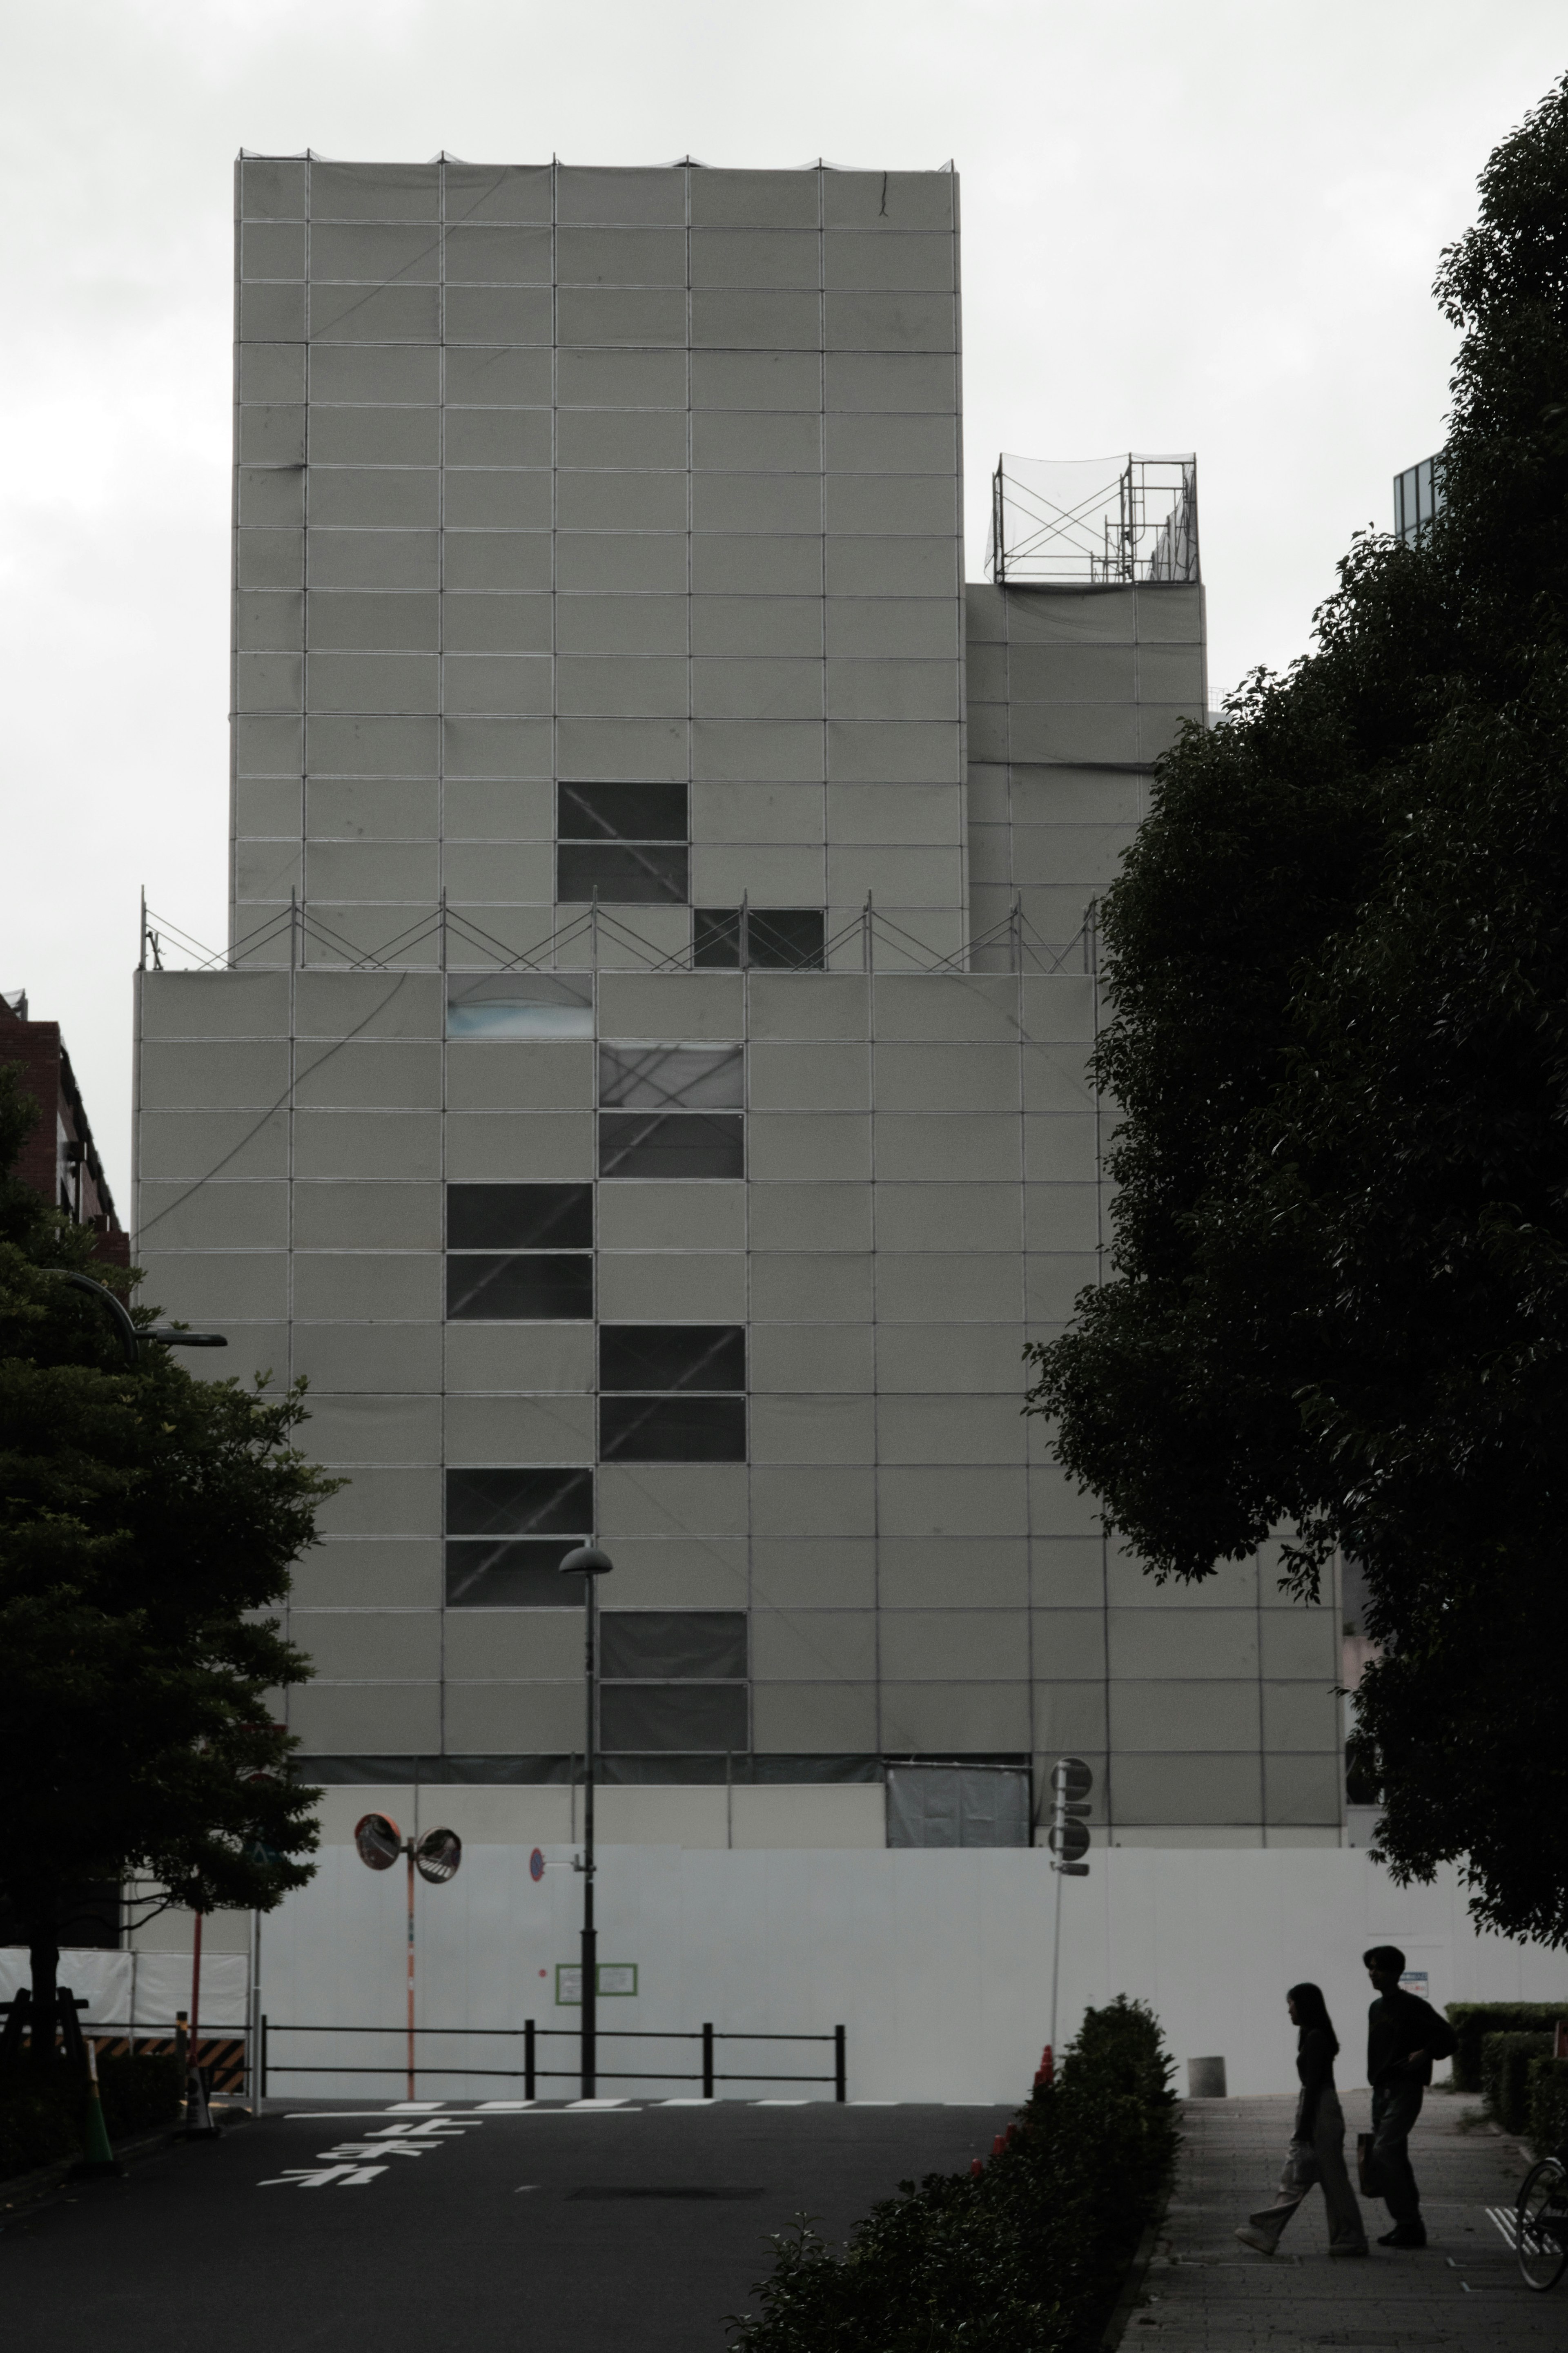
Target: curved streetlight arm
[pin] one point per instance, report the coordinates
(130, 1338)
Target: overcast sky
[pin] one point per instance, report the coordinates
(1205, 224)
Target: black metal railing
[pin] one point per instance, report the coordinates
(531, 2074)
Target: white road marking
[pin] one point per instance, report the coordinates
(687, 2103)
(433, 2128)
(781, 2104)
(595, 2104)
(360, 2149)
(397, 2106)
(340, 2176)
(1506, 2221)
(504, 2107)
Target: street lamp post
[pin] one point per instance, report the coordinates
(130, 1337)
(589, 1564)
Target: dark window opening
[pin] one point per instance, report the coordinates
(685, 1145)
(620, 812)
(672, 1429)
(623, 843)
(672, 1078)
(520, 1216)
(665, 1356)
(485, 1574)
(673, 1645)
(687, 1718)
(552, 1287)
(520, 1502)
(765, 939)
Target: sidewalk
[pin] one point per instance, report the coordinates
(1204, 2289)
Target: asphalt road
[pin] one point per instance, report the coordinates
(624, 2228)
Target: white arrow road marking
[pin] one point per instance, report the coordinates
(360, 2149)
(341, 2177)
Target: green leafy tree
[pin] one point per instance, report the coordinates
(147, 1523)
(1338, 969)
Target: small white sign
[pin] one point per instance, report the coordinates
(613, 1977)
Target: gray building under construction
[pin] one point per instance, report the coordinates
(645, 1089)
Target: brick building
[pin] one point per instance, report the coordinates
(60, 1158)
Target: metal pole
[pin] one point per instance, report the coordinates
(197, 1998)
(527, 2066)
(590, 1986)
(1056, 1959)
(708, 2062)
(408, 1850)
(262, 2096)
(841, 2067)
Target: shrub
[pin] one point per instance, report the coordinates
(35, 2127)
(1505, 2075)
(1547, 2121)
(40, 2123)
(1028, 2255)
(140, 2091)
(1473, 2020)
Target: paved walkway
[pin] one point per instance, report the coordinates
(1207, 2293)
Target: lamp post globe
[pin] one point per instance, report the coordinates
(589, 1564)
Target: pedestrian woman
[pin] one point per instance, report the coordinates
(1317, 2139)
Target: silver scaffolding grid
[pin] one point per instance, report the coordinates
(1094, 522)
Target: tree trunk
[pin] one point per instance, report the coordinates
(44, 1955)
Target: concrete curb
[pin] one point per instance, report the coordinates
(1138, 2271)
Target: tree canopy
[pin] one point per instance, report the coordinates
(1337, 958)
(147, 1519)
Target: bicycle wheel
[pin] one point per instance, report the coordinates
(1540, 2225)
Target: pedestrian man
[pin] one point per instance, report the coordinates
(1404, 2035)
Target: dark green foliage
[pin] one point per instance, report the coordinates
(43, 2116)
(1506, 2062)
(1338, 964)
(1547, 2123)
(140, 2090)
(1473, 2020)
(1027, 2257)
(147, 1522)
(38, 2123)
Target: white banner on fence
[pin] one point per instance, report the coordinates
(140, 1988)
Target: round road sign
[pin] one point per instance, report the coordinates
(536, 1865)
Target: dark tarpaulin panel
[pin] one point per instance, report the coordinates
(690, 1144)
(673, 1645)
(665, 1356)
(673, 1715)
(958, 1805)
(484, 1574)
(520, 1287)
(520, 1502)
(520, 1216)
